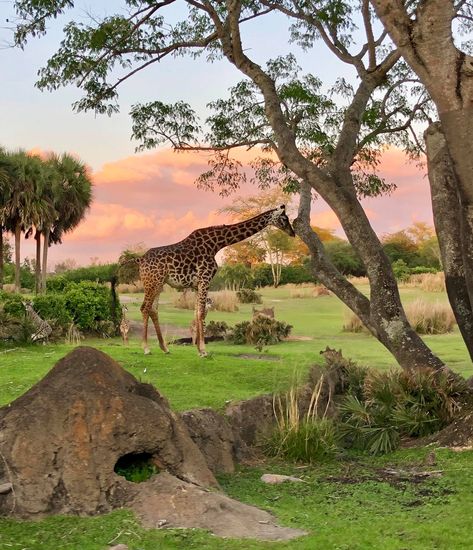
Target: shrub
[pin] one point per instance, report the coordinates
(261, 331)
(399, 403)
(184, 300)
(401, 270)
(58, 283)
(52, 307)
(12, 304)
(248, 296)
(427, 318)
(88, 303)
(222, 300)
(216, 329)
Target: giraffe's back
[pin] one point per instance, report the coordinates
(178, 264)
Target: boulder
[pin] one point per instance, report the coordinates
(60, 442)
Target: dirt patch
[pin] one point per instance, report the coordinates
(394, 477)
(258, 356)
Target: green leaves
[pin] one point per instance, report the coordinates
(157, 122)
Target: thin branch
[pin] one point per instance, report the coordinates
(365, 10)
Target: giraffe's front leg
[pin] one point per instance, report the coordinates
(201, 311)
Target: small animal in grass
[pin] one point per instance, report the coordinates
(209, 304)
(42, 329)
(124, 325)
(264, 312)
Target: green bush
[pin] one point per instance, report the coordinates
(12, 304)
(248, 296)
(88, 303)
(58, 283)
(401, 270)
(52, 307)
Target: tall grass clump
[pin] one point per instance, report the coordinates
(428, 318)
(429, 282)
(301, 437)
(352, 323)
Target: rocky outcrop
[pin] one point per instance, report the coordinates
(61, 440)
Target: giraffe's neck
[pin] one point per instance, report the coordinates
(226, 235)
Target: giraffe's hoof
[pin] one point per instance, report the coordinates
(203, 354)
(147, 351)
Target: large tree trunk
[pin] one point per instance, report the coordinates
(425, 40)
(37, 283)
(17, 257)
(447, 210)
(44, 267)
(382, 313)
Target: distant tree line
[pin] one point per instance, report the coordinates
(411, 250)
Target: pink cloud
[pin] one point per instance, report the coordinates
(152, 198)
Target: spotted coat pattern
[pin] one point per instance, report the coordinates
(191, 263)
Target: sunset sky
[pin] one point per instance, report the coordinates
(151, 197)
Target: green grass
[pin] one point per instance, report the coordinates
(363, 514)
(342, 505)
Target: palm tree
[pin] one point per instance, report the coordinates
(71, 193)
(20, 204)
(6, 184)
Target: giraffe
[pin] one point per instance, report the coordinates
(190, 263)
(124, 325)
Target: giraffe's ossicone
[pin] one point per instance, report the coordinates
(190, 263)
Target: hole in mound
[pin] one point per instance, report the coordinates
(136, 467)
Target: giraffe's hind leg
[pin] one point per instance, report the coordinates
(147, 311)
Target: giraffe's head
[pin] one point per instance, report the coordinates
(281, 221)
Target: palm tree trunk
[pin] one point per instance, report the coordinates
(37, 283)
(45, 260)
(17, 257)
(1, 257)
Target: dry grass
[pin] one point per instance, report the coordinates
(351, 322)
(429, 282)
(8, 288)
(124, 288)
(222, 300)
(356, 281)
(428, 318)
(307, 291)
(424, 317)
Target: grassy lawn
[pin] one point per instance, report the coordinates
(343, 504)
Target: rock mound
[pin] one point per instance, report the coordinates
(166, 501)
(61, 440)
